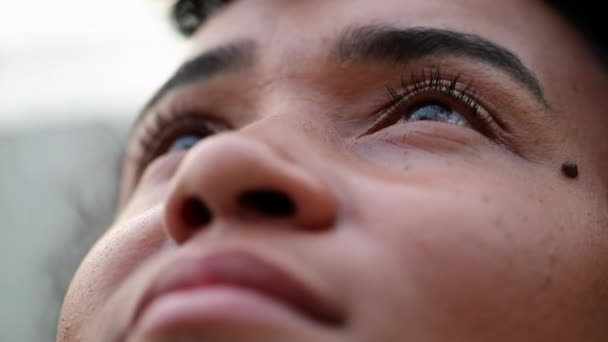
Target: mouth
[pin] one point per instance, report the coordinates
(226, 286)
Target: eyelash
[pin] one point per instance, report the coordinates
(431, 83)
(183, 118)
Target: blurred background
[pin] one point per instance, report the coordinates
(73, 74)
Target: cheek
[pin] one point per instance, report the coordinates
(152, 186)
(478, 249)
(121, 251)
(466, 249)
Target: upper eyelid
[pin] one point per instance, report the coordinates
(168, 118)
(415, 87)
(181, 100)
(434, 79)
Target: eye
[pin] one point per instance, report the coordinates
(174, 133)
(438, 97)
(185, 142)
(436, 112)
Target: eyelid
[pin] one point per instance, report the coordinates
(459, 100)
(436, 85)
(156, 134)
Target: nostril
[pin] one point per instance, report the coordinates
(267, 203)
(196, 213)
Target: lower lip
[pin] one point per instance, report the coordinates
(223, 306)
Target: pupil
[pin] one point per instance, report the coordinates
(185, 143)
(431, 112)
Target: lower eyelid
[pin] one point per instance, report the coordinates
(436, 137)
(160, 169)
(156, 140)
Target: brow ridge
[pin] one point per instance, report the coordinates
(373, 43)
(227, 58)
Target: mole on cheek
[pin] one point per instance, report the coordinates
(570, 169)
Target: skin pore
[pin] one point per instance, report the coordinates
(399, 164)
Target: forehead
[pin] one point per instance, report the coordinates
(286, 29)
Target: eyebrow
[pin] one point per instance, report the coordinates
(223, 59)
(368, 44)
(373, 43)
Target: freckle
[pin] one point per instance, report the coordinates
(547, 281)
(498, 221)
(407, 167)
(553, 259)
(485, 198)
(570, 169)
(480, 244)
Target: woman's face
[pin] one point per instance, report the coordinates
(354, 170)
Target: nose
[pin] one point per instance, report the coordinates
(229, 177)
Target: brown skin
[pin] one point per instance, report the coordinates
(420, 231)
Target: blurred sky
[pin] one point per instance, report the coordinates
(73, 74)
(63, 61)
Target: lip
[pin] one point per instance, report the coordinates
(242, 279)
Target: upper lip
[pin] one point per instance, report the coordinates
(241, 269)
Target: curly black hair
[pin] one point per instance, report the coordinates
(188, 15)
(586, 17)
(589, 20)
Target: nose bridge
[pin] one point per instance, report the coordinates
(292, 127)
(247, 176)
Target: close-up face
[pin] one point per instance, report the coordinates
(354, 170)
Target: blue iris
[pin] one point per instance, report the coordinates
(436, 112)
(185, 142)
